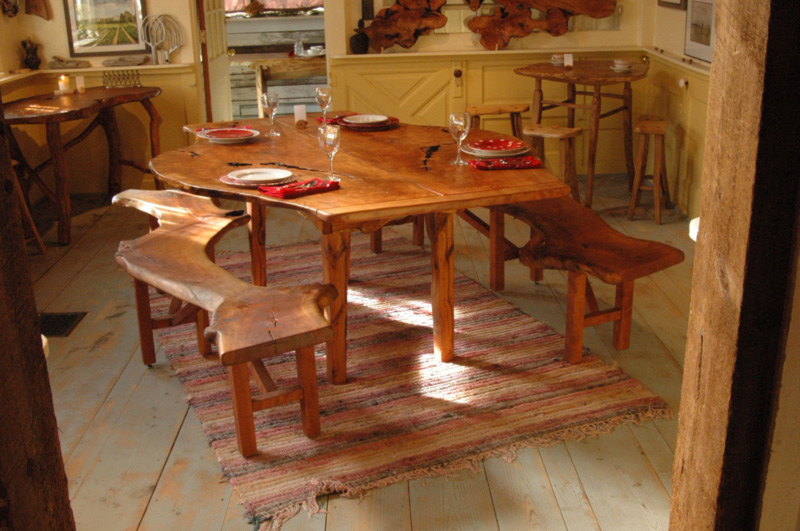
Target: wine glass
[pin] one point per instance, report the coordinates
(329, 137)
(324, 101)
(459, 128)
(269, 101)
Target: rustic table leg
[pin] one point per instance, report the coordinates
(109, 122)
(571, 98)
(594, 127)
(627, 128)
(497, 250)
(258, 241)
(155, 136)
(536, 117)
(440, 233)
(62, 186)
(335, 268)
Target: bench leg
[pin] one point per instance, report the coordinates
(307, 377)
(622, 327)
(376, 241)
(142, 294)
(419, 231)
(497, 250)
(537, 275)
(203, 344)
(576, 308)
(241, 398)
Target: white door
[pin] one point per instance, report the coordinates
(214, 51)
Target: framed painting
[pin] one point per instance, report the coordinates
(700, 33)
(674, 4)
(105, 27)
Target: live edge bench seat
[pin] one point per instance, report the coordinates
(247, 323)
(570, 237)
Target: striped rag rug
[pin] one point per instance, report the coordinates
(402, 414)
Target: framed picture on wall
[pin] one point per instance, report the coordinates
(674, 4)
(104, 27)
(700, 33)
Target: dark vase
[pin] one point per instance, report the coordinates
(32, 59)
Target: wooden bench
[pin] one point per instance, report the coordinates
(568, 236)
(247, 323)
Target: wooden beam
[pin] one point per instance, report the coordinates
(33, 484)
(741, 293)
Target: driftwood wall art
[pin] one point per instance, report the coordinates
(512, 18)
(406, 20)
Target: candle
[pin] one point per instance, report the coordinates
(63, 83)
(80, 84)
(299, 112)
(300, 115)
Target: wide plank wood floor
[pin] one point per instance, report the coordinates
(137, 458)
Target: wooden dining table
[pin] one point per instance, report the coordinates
(385, 175)
(51, 110)
(597, 75)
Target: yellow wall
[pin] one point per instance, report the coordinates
(178, 104)
(52, 34)
(417, 84)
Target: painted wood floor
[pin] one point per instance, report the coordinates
(136, 456)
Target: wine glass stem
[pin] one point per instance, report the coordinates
(324, 114)
(331, 159)
(458, 151)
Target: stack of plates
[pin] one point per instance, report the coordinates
(255, 177)
(495, 147)
(368, 122)
(227, 135)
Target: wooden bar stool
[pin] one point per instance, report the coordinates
(566, 144)
(514, 111)
(646, 127)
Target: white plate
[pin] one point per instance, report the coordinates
(494, 154)
(228, 135)
(260, 176)
(365, 119)
(622, 68)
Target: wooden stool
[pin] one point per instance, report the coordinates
(573, 238)
(645, 127)
(566, 146)
(513, 110)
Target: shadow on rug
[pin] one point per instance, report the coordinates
(403, 414)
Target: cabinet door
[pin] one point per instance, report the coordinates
(415, 93)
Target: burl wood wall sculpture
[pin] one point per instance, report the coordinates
(406, 20)
(512, 18)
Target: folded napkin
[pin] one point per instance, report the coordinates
(288, 191)
(506, 163)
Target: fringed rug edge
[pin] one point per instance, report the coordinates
(508, 452)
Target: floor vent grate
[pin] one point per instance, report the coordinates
(59, 324)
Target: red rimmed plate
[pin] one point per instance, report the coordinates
(497, 144)
(390, 122)
(228, 135)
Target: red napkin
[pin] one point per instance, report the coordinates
(506, 163)
(288, 191)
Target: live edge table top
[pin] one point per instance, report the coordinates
(384, 175)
